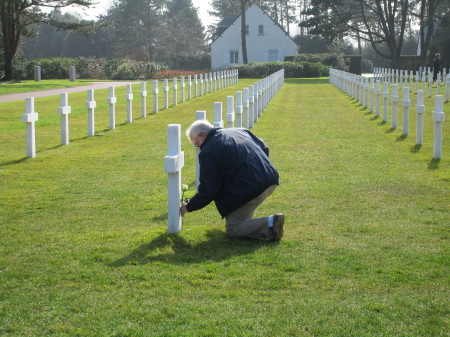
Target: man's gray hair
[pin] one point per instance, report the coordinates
(198, 127)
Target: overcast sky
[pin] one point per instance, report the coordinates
(93, 11)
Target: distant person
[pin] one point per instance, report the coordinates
(237, 174)
(436, 66)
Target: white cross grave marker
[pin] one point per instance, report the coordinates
(195, 86)
(112, 100)
(155, 96)
(173, 163)
(385, 106)
(239, 109)
(129, 98)
(190, 87)
(406, 105)
(143, 100)
(251, 107)
(166, 93)
(420, 110)
(64, 110)
(90, 105)
(246, 108)
(378, 91)
(439, 118)
(230, 111)
(183, 87)
(201, 84)
(372, 93)
(394, 105)
(175, 90)
(218, 122)
(30, 117)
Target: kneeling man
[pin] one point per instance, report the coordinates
(237, 174)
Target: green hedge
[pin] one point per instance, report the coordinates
(51, 68)
(92, 68)
(334, 61)
(292, 69)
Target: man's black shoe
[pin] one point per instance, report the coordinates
(276, 232)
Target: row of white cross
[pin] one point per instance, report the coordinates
(401, 75)
(244, 114)
(404, 80)
(197, 86)
(369, 93)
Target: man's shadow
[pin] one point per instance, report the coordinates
(173, 248)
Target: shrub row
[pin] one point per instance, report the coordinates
(91, 68)
(292, 69)
(335, 61)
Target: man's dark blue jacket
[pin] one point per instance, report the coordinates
(234, 169)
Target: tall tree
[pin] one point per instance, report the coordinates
(281, 11)
(426, 13)
(441, 40)
(380, 22)
(224, 8)
(137, 28)
(186, 36)
(17, 18)
(244, 4)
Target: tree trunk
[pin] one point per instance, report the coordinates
(427, 16)
(10, 44)
(243, 34)
(8, 69)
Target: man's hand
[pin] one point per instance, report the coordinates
(183, 210)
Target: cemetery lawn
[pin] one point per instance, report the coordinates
(31, 85)
(84, 249)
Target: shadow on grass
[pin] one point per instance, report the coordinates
(18, 161)
(434, 164)
(401, 138)
(161, 217)
(416, 148)
(173, 248)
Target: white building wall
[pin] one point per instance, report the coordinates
(258, 46)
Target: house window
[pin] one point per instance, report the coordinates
(234, 57)
(261, 30)
(273, 55)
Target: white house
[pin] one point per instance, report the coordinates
(267, 41)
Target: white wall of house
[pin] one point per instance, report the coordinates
(266, 41)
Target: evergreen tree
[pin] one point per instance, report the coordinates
(136, 28)
(185, 31)
(17, 18)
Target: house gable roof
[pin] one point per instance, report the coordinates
(228, 21)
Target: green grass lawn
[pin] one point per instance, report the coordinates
(84, 249)
(31, 85)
